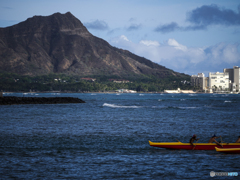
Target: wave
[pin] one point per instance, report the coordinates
(227, 101)
(192, 94)
(188, 107)
(182, 99)
(173, 107)
(55, 93)
(118, 106)
(93, 94)
(141, 94)
(154, 107)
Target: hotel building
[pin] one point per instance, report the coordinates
(228, 80)
(234, 77)
(218, 81)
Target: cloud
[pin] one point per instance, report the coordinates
(181, 58)
(149, 43)
(213, 15)
(203, 17)
(6, 7)
(97, 25)
(134, 27)
(176, 45)
(167, 27)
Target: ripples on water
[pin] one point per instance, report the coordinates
(107, 137)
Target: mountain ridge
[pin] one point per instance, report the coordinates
(60, 43)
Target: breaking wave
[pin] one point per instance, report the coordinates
(119, 106)
(154, 107)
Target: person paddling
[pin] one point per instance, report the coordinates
(193, 138)
(213, 139)
(238, 140)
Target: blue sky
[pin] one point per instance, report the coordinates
(185, 36)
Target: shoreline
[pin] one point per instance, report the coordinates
(119, 92)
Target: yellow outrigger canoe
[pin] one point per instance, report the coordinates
(198, 146)
(228, 150)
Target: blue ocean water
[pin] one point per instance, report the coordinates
(107, 137)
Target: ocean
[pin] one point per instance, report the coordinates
(107, 137)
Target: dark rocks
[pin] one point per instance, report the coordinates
(9, 100)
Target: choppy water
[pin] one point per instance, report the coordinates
(107, 137)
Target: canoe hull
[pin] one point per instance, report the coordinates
(228, 150)
(188, 146)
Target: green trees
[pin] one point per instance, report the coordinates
(62, 82)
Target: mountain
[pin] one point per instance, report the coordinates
(60, 43)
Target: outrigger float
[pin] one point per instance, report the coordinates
(198, 146)
(228, 150)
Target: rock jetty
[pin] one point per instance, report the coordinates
(9, 100)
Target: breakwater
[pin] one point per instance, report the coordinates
(9, 100)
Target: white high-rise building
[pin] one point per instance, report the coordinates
(219, 81)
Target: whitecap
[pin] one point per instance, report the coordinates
(192, 94)
(160, 100)
(93, 94)
(182, 99)
(141, 94)
(119, 106)
(227, 101)
(187, 107)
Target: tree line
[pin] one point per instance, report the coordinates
(10, 82)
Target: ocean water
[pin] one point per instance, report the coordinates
(107, 137)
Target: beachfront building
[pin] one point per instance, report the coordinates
(218, 82)
(199, 81)
(234, 78)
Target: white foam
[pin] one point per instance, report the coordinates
(227, 101)
(187, 107)
(192, 94)
(118, 106)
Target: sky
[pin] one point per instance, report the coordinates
(187, 36)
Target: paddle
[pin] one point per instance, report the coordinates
(195, 145)
(177, 140)
(222, 141)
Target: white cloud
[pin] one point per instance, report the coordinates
(149, 43)
(176, 45)
(181, 58)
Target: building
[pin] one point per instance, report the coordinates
(219, 81)
(199, 81)
(234, 77)
(229, 80)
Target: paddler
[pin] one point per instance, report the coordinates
(213, 139)
(193, 138)
(238, 140)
